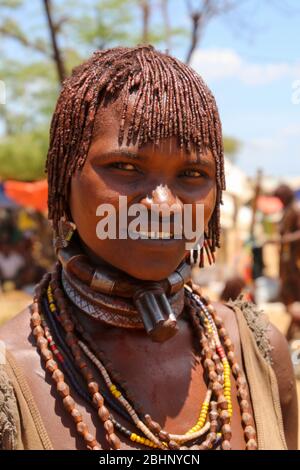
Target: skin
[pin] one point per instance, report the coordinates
(153, 371)
(110, 172)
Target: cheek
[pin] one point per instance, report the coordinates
(209, 202)
(88, 191)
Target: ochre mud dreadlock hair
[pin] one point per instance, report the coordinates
(169, 99)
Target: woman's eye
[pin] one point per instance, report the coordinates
(193, 174)
(124, 166)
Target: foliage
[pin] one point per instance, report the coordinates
(28, 68)
(22, 157)
(231, 147)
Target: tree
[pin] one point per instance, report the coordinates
(53, 40)
(202, 14)
(231, 147)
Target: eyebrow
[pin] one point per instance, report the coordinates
(123, 153)
(200, 160)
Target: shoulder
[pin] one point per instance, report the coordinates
(283, 368)
(257, 322)
(282, 364)
(14, 334)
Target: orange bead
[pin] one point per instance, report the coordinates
(82, 428)
(98, 399)
(103, 413)
(69, 403)
(58, 376)
(63, 389)
(76, 415)
(51, 365)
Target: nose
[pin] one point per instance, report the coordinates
(163, 197)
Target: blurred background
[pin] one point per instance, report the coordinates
(248, 53)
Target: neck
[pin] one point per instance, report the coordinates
(95, 259)
(111, 296)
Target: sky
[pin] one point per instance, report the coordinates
(253, 68)
(251, 61)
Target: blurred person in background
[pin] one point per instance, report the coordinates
(289, 230)
(11, 264)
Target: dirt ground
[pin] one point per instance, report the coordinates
(13, 302)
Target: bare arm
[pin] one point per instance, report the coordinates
(283, 369)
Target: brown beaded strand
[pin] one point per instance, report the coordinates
(247, 419)
(52, 367)
(242, 393)
(86, 372)
(216, 386)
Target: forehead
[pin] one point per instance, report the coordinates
(106, 136)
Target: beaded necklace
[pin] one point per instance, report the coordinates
(212, 429)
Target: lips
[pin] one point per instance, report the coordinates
(151, 235)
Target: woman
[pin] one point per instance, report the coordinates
(123, 351)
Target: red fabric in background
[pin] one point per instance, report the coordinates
(32, 195)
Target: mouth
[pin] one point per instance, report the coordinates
(142, 235)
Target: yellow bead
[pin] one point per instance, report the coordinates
(113, 387)
(133, 437)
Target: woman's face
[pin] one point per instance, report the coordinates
(162, 174)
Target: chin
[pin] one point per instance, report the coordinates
(149, 271)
